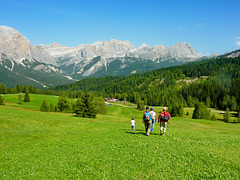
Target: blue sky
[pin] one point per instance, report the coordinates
(210, 26)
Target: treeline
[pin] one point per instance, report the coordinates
(33, 90)
(216, 83)
(87, 106)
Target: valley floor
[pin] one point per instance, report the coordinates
(38, 145)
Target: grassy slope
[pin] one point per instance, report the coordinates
(34, 104)
(54, 145)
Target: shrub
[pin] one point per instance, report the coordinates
(213, 118)
(100, 105)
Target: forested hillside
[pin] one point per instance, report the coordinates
(215, 82)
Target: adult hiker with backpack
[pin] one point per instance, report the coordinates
(147, 120)
(154, 115)
(163, 118)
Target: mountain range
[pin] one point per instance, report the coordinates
(54, 64)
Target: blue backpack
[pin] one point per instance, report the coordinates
(147, 116)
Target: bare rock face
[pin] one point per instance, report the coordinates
(14, 44)
(18, 48)
(233, 55)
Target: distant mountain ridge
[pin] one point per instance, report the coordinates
(114, 57)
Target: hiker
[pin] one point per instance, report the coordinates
(132, 123)
(164, 116)
(154, 115)
(147, 120)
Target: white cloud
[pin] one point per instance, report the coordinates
(237, 37)
(182, 28)
(237, 43)
(199, 25)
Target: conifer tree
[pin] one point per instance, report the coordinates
(63, 103)
(44, 106)
(238, 120)
(26, 97)
(89, 110)
(180, 111)
(51, 108)
(140, 105)
(84, 107)
(20, 100)
(227, 116)
(1, 100)
(79, 107)
(233, 103)
(3, 89)
(200, 111)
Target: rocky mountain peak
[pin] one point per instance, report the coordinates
(7, 32)
(18, 47)
(144, 46)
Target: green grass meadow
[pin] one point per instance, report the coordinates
(40, 145)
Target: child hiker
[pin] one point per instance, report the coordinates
(132, 123)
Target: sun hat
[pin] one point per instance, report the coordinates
(147, 107)
(132, 118)
(151, 109)
(164, 108)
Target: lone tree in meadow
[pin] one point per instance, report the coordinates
(84, 107)
(200, 111)
(26, 97)
(20, 100)
(1, 100)
(44, 106)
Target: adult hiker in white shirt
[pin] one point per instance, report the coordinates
(154, 115)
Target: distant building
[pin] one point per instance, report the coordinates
(110, 99)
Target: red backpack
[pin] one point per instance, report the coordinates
(166, 116)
